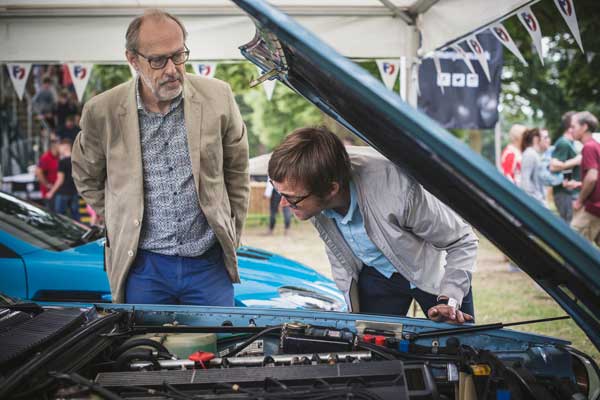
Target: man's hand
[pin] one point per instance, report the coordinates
(446, 313)
(577, 204)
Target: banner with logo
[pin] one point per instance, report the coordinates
(18, 75)
(388, 69)
(504, 37)
(532, 25)
(80, 74)
(468, 100)
(476, 48)
(204, 68)
(463, 54)
(567, 10)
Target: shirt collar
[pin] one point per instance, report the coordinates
(140, 103)
(345, 219)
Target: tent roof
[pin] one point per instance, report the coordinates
(93, 31)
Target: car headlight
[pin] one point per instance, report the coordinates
(308, 299)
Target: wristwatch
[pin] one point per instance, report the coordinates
(449, 301)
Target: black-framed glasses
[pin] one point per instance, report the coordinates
(159, 62)
(293, 201)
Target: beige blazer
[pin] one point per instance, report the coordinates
(108, 173)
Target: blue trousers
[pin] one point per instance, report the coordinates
(161, 279)
(380, 295)
(64, 202)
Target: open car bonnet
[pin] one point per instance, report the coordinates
(557, 258)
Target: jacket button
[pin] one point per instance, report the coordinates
(136, 222)
(130, 253)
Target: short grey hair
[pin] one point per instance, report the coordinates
(133, 31)
(586, 117)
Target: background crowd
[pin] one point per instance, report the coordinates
(566, 171)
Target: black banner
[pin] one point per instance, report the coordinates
(469, 101)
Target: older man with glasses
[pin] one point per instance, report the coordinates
(388, 240)
(164, 159)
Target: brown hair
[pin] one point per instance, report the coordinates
(133, 31)
(528, 136)
(313, 157)
(565, 121)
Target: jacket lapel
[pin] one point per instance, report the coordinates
(130, 133)
(192, 108)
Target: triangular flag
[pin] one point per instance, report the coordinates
(464, 56)
(18, 75)
(268, 85)
(476, 48)
(204, 68)
(567, 10)
(504, 37)
(590, 56)
(132, 70)
(532, 25)
(80, 74)
(388, 69)
(443, 78)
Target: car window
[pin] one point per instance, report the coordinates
(37, 226)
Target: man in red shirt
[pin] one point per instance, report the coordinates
(587, 206)
(47, 171)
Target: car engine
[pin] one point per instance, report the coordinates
(73, 353)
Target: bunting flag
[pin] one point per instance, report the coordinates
(388, 69)
(567, 10)
(464, 56)
(80, 74)
(204, 68)
(532, 25)
(504, 37)
(18, 75)
(268, 85)
(476, 48)
(443, 79)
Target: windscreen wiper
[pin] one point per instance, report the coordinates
(477, 328)
(93, 233)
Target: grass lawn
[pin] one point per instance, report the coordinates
(499, 295)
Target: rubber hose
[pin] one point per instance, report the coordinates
(139, 342)
(123, 362)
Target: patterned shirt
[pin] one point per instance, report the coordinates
(173, 223)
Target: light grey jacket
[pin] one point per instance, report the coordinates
(426, 241)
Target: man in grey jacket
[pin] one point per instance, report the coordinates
(388, 240)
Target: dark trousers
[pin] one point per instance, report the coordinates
(162, 279)
(392, 296)
(274, 209)
(64, 202)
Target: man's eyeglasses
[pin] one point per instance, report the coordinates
(159, 62)
(293, 201)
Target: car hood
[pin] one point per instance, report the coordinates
(543, 246)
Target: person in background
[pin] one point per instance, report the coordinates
(64, 108)
(532, 149)
(511, 155)
(274, 200)
(69, 130)
(64, 191)
(565, 159)
(47, 170)
(586, 218)
(44, 102)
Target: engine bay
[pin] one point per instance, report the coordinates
(74, 353)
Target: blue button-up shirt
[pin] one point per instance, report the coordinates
(353, 230)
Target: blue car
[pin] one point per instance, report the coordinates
(46, 257)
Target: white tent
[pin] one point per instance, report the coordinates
(45, 31)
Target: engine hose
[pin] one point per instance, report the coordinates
(129, 344)
(124, 361)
